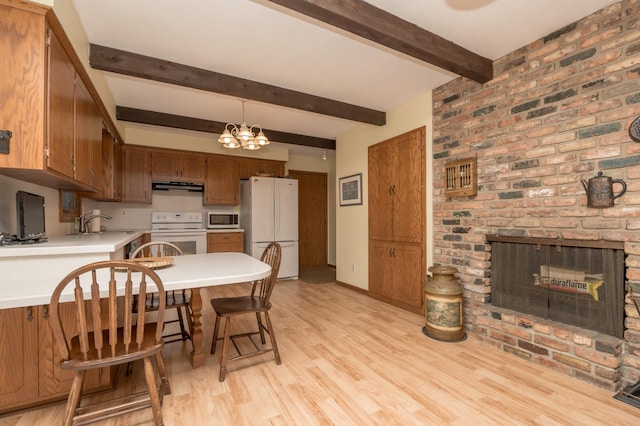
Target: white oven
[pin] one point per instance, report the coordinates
(186, 230)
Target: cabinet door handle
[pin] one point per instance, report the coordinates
(390, 193)
(45, 312)
(29, 313)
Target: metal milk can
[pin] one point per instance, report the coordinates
(444, 305)
(600, 190)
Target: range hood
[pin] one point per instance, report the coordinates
(180, 186)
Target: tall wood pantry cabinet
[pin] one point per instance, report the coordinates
(397, 220)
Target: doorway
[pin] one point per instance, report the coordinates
(312, 218)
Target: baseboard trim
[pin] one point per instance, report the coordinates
(352, 287)
(404, 306)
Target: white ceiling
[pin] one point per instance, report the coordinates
(257, 40)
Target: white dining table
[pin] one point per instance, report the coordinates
(195, 271)
(206, 270)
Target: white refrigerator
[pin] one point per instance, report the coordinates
(269, 212)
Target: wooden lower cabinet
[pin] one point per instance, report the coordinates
(225, 241)
(19, 355)
(396, 274)
(29, 372)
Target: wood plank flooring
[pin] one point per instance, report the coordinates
(348, 359)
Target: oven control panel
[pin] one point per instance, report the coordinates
(176, 217)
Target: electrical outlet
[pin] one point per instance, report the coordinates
(124, 212)
(353, 267)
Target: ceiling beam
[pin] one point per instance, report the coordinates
(133, 64)
(381, 27)
(199, 125)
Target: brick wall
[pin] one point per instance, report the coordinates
(557, 111)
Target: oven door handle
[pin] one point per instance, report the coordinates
(177, 234)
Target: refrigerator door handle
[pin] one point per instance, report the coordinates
(276, 197)
(286, 243)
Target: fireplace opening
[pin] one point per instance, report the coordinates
(574, 282)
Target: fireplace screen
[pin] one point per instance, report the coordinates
(580, 286)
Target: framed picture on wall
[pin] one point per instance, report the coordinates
(351, 190)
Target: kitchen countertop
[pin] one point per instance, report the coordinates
(31, 266)
(105, 242)
(224, 230)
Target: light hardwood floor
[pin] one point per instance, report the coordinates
(348, 359)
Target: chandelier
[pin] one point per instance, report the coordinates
(245, 137)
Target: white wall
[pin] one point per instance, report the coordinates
(352, 154)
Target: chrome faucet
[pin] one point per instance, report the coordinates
(88, 217)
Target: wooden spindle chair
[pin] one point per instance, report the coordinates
(258, 303)
(98, 341)
(178, 299)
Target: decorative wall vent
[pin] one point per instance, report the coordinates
(461, 178)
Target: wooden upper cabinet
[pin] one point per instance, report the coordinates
(192, 167)
(222, 184)
(112, 158)
(248, 167)
(172, 165)
(137, 175)
(74, 134)
(22, 85)
(396, 189)
(61, 109)
(409, 192)
(118, 170)
(88, 138)
(49, 104)
(380, 193)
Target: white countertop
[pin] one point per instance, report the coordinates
(224, 230)
(188, 271)
(105, 242)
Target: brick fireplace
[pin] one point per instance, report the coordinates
(557, 112)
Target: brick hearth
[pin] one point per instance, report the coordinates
(557, 111)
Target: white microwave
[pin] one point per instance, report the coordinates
(223, 219)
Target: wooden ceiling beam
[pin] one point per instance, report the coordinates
(381, 27)
(199, 125)
(132, 64)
